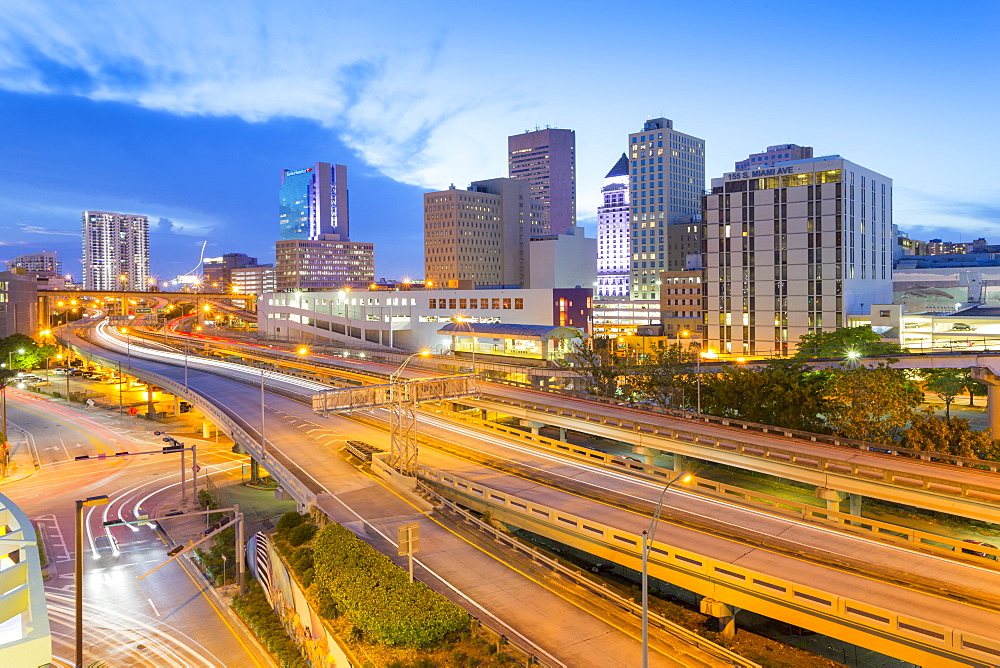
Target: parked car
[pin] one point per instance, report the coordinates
(39, 383)
(962, 327)
(62, 370)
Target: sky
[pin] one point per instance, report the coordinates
(187, 111)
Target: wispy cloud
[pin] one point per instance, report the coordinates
(384, 90)
(35, 229)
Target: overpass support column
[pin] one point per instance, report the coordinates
(206, 428)
(150, 407)
(534, 426)
(562, 434)
(177, 405)
(680, 463)
(643, 453)
(985, 375)
(834, 499)
(724, 612)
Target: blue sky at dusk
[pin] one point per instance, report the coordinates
(187, 111)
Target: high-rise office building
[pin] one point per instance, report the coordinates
(546, 159)
(667, 172)
(773, 154)
(326, 263)
(794, 248)
(217, 271)
(313, 201)
(614, 254)
(115, 245)
(43, 263)
(480, 235)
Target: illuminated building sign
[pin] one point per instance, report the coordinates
(297, 171)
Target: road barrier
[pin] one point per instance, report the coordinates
(914, 639)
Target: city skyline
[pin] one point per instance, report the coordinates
(132, 129)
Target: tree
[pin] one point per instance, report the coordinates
(975, 389)
(952, 436)
(23, 352)
(665, 379)
(601, 367)
(861, 340)
(870, 403)
(946, 384)
(783, 393)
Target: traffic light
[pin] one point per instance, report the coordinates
(175, 550)
(173, 447)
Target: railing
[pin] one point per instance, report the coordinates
(296, 487)
(826, 439)
(825, 464)
(876, 529)
(714, 578)
(581, 580)
(22, 591)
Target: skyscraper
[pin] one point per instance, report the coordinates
(794, 248)
(42, 263)
(313, 201)
(546, 159)
(667, 172)
(613, 247)
(115, 245)
(480, 234)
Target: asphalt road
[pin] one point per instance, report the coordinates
(166, 619)
(291, 425)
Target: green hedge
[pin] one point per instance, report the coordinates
(376, 595)
(256, 611)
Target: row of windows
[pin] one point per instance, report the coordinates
(471, 304)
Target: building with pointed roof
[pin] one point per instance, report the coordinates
(613, 233)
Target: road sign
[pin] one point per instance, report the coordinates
(144, 310)
(408, 536)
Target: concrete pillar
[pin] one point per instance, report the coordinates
(724, 612)
(254, 470)
(177, 405)
(985, 375)
(150, 408)
(833, 498)
(534, 426)
(482, 415)
(680, 463)
(562, 434)
(643, 454)
(856, 504)
(206, 428)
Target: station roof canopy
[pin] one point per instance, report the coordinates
(510, 331)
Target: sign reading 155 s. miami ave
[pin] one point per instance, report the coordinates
(759, 173)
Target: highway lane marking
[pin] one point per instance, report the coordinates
(153, 606)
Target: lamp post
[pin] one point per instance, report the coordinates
(852, 359)
(3, 423)
(708, 354)
(78, 570)
(647, 541)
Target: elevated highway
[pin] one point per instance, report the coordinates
(303, 454)
(844, 471)
(885, 620)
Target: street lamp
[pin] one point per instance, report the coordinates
(78, 570)
(395, 374)
(647, 542)
(852, 359)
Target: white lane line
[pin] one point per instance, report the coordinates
(153, 606)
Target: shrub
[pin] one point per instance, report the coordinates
(289, 521)
(376, 595)
(303, 533)
(254, 609)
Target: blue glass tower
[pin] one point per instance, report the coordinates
(313, 202)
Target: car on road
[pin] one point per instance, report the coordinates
(62, 370)
(38, 383)
(962, 327)
(976, 552)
